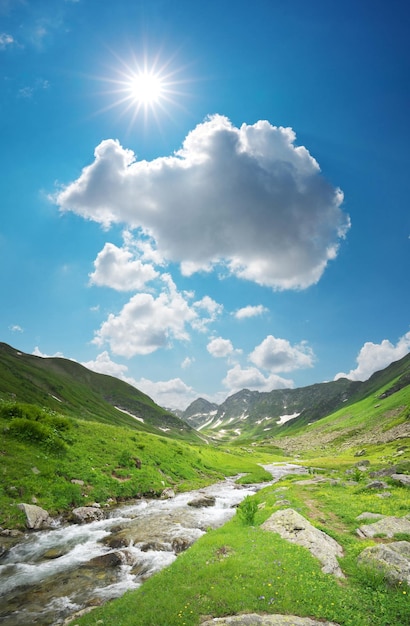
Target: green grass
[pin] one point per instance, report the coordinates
(241, 568)
(42, 452)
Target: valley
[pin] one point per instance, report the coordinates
(72, 438)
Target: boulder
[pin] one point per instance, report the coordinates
(111, 559)
(404, 479)
(179, 544)
(295, 528)
(366, 515)
(388, 527)
(167, 494)
(36, 517)
(377, 484)
(253, 619)
(391, 559)
(363, 463)
(85, 514)
(202, 501)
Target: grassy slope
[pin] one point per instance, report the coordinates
(67, 387)
(104, 458)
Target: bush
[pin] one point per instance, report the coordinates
(29, 430)
(247, 510)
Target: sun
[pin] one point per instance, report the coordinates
(146, 88)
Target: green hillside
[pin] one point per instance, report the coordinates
(67, 387)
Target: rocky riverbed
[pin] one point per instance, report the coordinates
(51, 575)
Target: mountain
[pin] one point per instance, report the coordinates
(252, 413)
(199, 412)
(67, 387)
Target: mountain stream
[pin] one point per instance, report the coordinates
(51, 575)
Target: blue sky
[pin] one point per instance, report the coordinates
(203, 197)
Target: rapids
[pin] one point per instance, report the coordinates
(52, 574)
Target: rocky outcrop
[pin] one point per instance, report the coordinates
(85, 514)
(36, 517)
(387, 527)
(295, 528)
(253, 619)
(391, 559)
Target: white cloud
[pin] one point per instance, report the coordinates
(15, 328)
(6, 40)
(376, 356)
(212, 308)
(37, 352)
(174, 394)
(250, 311)
(187, 362)
(220, 347)
(169, 394)
(117, 268)
(104, 365)
(278, 355)
(251, 378)
(247, 199)
(147, 323)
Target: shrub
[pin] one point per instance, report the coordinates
(247, 510)
(29, 430)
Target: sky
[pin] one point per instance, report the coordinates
(199, 198)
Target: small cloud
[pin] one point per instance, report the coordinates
(15, 328)
(26, 92)
(174, 393)
(119, 269)
(250, 311)
(374, 357)
(37, 352)
(187, 362)
(104, 365)
(220, 348)
(251, 378)
(278, 355)
(6, 40)
(147, 323)
(211, 307)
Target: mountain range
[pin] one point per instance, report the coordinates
(287, 411)
(66, 386)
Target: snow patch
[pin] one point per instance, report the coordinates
(286, 418)
(128, 413)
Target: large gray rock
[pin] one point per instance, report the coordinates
(202, 501)
(295, 528)
(168, 493)
(391, 559)
(388, 527)
(36, 517)
(253, 619)
(85, 514)
(404, 479)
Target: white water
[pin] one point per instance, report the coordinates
(46, 577)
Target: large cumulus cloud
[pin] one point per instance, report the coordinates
(247, 197)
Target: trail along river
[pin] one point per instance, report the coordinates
(50, 575)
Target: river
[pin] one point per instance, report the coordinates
(50, 575)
